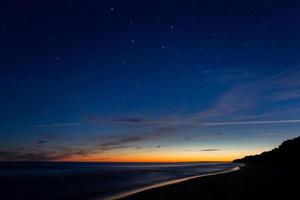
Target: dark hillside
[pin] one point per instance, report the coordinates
(286, 154)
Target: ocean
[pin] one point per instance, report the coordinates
(64, 180)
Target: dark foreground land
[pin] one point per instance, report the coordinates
(251, 182)
(270, 175)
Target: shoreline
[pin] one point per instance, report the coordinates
(127, 194)
(255, 181)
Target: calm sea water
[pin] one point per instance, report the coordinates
(90, 180)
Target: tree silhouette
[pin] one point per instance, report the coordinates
(285, 154)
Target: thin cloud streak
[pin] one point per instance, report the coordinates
(207, 150)
(128, 141)
(57, 125)
(250, 122)
(42, 155)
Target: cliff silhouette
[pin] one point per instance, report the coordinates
(286, 153)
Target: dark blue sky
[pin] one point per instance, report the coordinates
(103, 79)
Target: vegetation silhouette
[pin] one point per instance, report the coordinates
(269, 175)
(285, 154)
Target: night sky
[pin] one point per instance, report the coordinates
(147, 80)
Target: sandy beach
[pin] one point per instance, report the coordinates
(251, 182)
(171, 182)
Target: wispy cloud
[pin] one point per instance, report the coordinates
(113, 147)
(203, 150)
(131, 141)
(42, 142)
(256, 99)
(161, 146)
(228, 123)
(227, 75)
(132, 121)
(287, 94)
(41, 155)
(210, 150)
(57, 125)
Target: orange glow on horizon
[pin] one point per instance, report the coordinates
(226, 156)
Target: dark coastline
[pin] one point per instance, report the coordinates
(270, 175)
(251, 182)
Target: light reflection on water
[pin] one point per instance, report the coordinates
(98, 179)
(164, 183)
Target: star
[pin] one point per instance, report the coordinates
(172, 27)
(112, 9)
(58, 58)
(163, 47)
(132, 41)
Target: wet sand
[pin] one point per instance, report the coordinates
(251, 182)
(166, 183)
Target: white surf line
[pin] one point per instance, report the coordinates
(165, 183)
